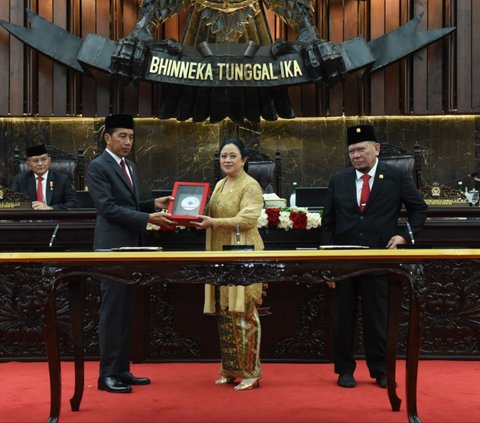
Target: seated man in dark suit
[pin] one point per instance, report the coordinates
(48, 190)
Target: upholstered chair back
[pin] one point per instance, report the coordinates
(260, 167)
(398, 157)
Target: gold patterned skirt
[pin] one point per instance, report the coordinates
(239, 335)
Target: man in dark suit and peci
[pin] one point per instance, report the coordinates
(47, 189)
(363, 206)
(121, 221)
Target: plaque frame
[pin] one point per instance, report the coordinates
(190, 200)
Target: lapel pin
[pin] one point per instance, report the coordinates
(51, 185)
(380, 176)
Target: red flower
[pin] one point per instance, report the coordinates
(299, 220)
(273, 217)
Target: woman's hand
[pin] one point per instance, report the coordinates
(203, 222)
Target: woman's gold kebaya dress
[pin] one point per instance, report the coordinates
(236, 306)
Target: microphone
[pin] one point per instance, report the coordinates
(237, 235)
(53, 235)
(410, 233)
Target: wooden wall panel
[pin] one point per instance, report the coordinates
(419, 74)
(352, 86)
(434, 64)
(17, 63)
(103, 81)
(45, 68)
(4, 60)
(445, 78)
(60, 73)
(335, 34)
(130, 91)
(377, 80)
(475, 74)
(392, 72)
(89, 92)
(464, 55)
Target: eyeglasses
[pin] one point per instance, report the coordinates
(43, 159)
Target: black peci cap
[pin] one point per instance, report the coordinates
(360, 133)
(36, 150)
(119, 121)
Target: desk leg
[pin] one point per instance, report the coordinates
(413, 351)
(53, 355)
(76, 300)
(394, 303)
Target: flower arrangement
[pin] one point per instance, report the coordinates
(287, 218)
(284, 218)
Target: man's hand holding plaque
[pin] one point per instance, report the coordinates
(161, 218)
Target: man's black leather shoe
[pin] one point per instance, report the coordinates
(113, 384)
(382, 381)
(346, 381)
(129, 379)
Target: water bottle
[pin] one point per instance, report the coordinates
(293, 196)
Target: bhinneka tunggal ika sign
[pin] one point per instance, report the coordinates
(225, 68)
(234, 72)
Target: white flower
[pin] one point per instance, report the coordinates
(285, 222)
(262, 221)
(314, 220)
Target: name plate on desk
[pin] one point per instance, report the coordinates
(9, 205)
(441, 195)
(446, 202)
(11, 200)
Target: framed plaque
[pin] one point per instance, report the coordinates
(190, 200)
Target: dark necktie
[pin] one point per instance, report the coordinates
(365, 192)
(40, 189)
(124, 168)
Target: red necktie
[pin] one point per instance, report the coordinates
(40, 189)
(365, 192)
(124, 168)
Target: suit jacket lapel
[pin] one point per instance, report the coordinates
(32, 186)
(118, 170)
(352, 187)
(134, 177)
(49, 188)
(377, 184)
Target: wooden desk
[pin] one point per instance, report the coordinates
(303, 336)
(241, 268)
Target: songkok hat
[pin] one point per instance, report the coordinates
(119, 121)
(36, 150)
(360, 133)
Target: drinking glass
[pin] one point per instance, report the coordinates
(475, 196)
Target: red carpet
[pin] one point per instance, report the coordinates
(448, 391)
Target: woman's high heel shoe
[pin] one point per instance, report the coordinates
(224, 380)
(248, 384)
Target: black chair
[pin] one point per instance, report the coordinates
(61, 162)
(398, 157)
(260, 167)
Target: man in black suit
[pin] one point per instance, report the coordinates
(48, 190)
(363, 206)
(121, 220)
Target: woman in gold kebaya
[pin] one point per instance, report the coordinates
(235, 205)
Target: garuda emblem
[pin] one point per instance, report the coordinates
(227, 64)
